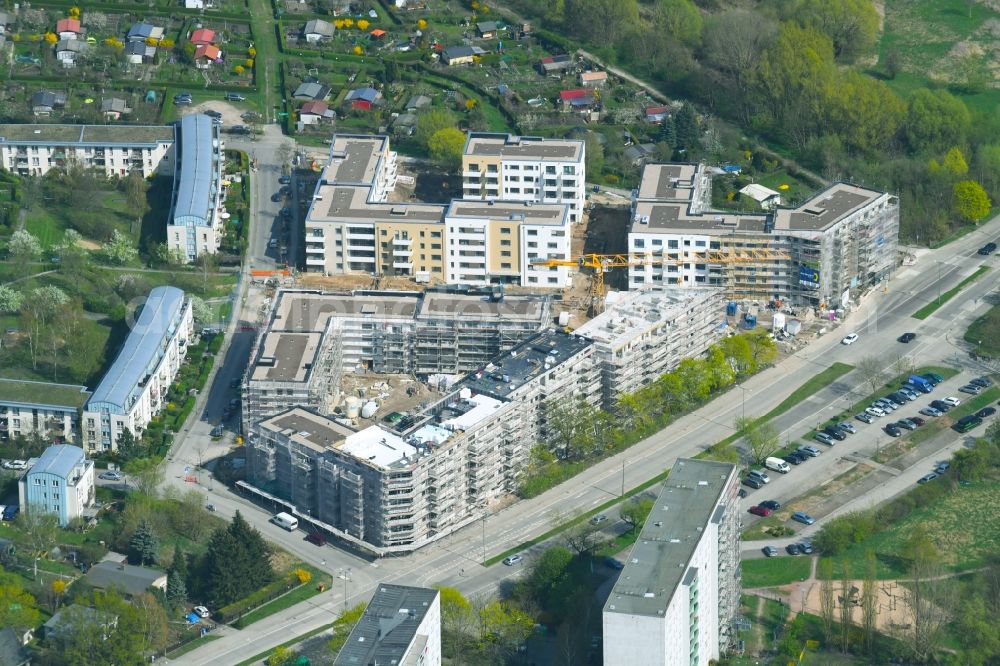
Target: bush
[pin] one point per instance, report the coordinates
(241, 607)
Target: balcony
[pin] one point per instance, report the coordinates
(396, 252)
(315, 261)
(315, 249)
(402, 242)
(405, 265)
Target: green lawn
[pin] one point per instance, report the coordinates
(193, 645)
(772, 571)
(963, 525)
(297, 595)
(984, 333)
(930, 308)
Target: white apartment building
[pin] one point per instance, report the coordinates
(195, 225)
(822, 253)
(60, 482)
(504, 167)
(500, 243)
(135, 388)
(114, 150)
(676, 601)
(644, 334)
(40, 409)
(401, 625)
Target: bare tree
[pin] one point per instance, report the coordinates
(582, 537)
(846, 605)
(826, 599)
(735, 40)
(902, 365)
(871, 370)
(761, 437)
(869, 601)
(926, 596)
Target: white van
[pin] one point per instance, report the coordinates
(285, 520)
(778, 465)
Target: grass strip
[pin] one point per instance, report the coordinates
(984, 333)
(258, 658)
(287, 600)
(930, 308)
(772, 571)
(193, 645)
(576, 520)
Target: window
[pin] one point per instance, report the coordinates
(550, 170)
(434, 246)
(569, 171)
(532, 232)
(640, 242)
(505, 253)
(504, 243)
(553, 246)
(505, 230)
(385, 232)
(657, 242)
(672, 244)
(505, 265)
(532, 244)
(473, 167)
(435, 234)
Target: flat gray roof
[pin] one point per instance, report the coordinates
(528, 212)
(526, 361)
(87, 135)
(286, 356)
(307, 427)
(310, 311)
(442, 304)
(667, 181)
(198, 169)
(825, 209)
(354, 159)
(523, 147)
(674, 217)
(351, 204)
(384, 633)
(660, 557)
(142, 350)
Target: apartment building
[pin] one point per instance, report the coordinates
(59, 483)
(351, 228)
(501, 243)
(676, 600)
(395, 488)
(135, 388)
(312, 338)
(195, 222)
(504, 167)
(647, 333)
(823, 253)
(50, 411)
(401, 625)
(113, 150)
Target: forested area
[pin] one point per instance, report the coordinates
(800, 75)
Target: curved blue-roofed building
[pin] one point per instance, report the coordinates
(194, 226)
(59, 483)
(134, 389)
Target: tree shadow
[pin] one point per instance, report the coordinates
(154, 222)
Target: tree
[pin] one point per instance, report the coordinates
(976, 632)
(129, 446)
(120, 250)
(280, 656)
(935, 119)
(255, 552)
(892, 63)
(446, 147)
(826, 600)
(852, 25)
(177, 581)
(735, 40)
(970, 200)
(344, 625)
(635, 511)
(40, 529)
(871, 372)
(954, 163)
(869, 601)
(604, 21)
(846, 606)
(18, 609)
(146, 474)
(761, 437)
(72, 257)
(595, 157)
(144, 546)
(135, 197)
(503, 629)
(680, 19)
(925, 595)
(582, 537)
(429, 123)
(548, 577)
(686, 123)
(10, 300)
(22, 249)
(92, 638)
(570, 427)
(237, 562)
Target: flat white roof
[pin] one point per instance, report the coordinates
(485, 407)
(640, 311)
(377, 446)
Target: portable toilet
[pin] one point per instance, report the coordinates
(731, 309)
(151, 97)
(749, 321)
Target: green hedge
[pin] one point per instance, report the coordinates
(237, 609)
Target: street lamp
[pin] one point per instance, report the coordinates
(346, 575)
(744, 399)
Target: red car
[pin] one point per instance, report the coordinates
(760, 511)
(316, 538)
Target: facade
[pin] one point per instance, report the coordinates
(504, 167)
(135, 387)
(41, 409)
(822, 253)
(33, 150)
(677, 599)
(61, 482)
(392, 489)
(351, 228)
(195, 227)
(312, 339)
(647, 333)
(401, 625)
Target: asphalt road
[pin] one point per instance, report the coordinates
(454, 560)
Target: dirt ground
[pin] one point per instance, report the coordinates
(893, 612)
(230, 114)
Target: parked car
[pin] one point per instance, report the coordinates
(982, 381)
(613, 563)
(971, 389)
(927, 477)
(183, 98)
(239, 129)
(847, 427)
(759, 474)
(892, 404)
(760, 511)
(967, 423)
(810, 451)
(906, 423)
(771, 504)
(284, 180)
(792, 549)
(835, 432)
(512, 560)
(235, 97)
(942, 467)
(875, 410)
(806, 547)
(985, 412)
(111, 476)
(317, 538)
(213, 114)
(794, 460)
(210, 508)
(276, 197)
(823, 438)
(940, 405)
(909, 393)
(849, 339)
(803, 518)
(864, 417)
(953, 401)
(769, 551)
(201, 611)
(907, 338)
(893, 430)
(930, 411)
(598, 519)
(987, 249)
(933, 378)
(753, 482)
(919, 421)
